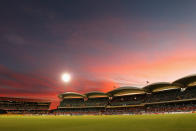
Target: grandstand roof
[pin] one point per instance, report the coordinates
(126, 91)
(186, 81)
(95, 94)
(160, 86)
(70, 95)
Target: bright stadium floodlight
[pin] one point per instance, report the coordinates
(66, 77)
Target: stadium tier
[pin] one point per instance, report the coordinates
(23, 105)
(96, 99)
(126, 96)
(179, 95)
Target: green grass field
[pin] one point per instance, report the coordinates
(171, 122)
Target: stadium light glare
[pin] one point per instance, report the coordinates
(66, 77)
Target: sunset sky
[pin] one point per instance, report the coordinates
(102, 43)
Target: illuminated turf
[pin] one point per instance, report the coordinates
(176, 122)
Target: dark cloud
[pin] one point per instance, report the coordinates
(15, 39)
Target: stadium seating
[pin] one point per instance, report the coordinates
(189, 93)
(167, 95)
(127, 100)
(153, 98)
(97, 101)
(21, 105)
(75, 102)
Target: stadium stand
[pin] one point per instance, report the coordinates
(23, 105)
(179, 96)
(189, 93)
(96, 98)
(126, 96)
(71, 99)
(171, 107)
(162, 92)
(162, 97)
